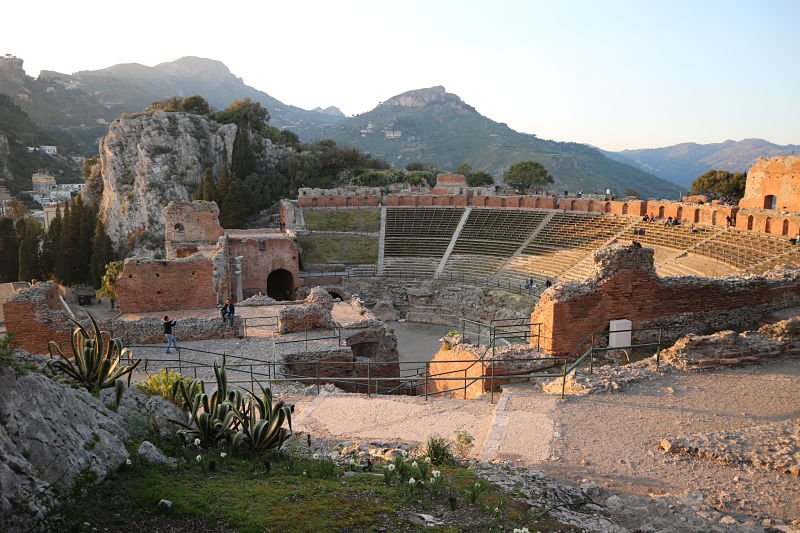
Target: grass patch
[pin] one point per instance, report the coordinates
(240, 494)
(363, 220)
(347, 249)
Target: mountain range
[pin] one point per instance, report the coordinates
(428, 125)
(682, 163)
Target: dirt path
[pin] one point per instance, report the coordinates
(612, 439)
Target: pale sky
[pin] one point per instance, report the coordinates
(612, 73)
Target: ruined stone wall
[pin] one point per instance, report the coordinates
(150, 330)
(263, 254)
(342, 197)
(626, 287)
(773, 176)
(34, 316)
(196, 221)
(154, 285)
(326, 366)
(768, 221)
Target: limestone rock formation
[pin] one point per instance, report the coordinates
(49, 435)
(150, 159)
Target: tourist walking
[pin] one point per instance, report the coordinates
(168, 325)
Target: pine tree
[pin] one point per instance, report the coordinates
(9, 251)
(29, 245)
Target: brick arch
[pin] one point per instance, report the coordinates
(785, 228)
(661, 211)
(750, 222)
(696, 216)
(767, 225)
(714, 218)
(679, 213)
(607, 207)
(625, 208)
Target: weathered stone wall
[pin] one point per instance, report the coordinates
(773, 176)
(150, 330)
(190, 224)
(626, 287)
(35, 316)
(262, 254)
(293, 318)
(768, 221)
(155, 285)
(339, 367)
(342, 197)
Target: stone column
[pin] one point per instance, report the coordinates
(237, 275)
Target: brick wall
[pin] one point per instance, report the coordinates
(196, 221)
(773, 176)
(339, 367)
(34, 316)
(765, 221)
(263, 255)
(570, 312)
(156, 285)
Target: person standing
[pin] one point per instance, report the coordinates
(168, 325)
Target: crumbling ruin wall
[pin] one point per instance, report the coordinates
(293, 318)
(190, 225)
(342, 197)
(263, 254)
(626, 287)
(154, 285)
(340, 367)
(35, 316)
(150, 330)
(773, 176)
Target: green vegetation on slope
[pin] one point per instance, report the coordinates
(339, 248)
(359, 220)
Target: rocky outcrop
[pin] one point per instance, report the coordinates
(50, 435)
(150, 159)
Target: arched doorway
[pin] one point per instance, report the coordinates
(770, 201)
(679, 213)
(713, 218)
(750, 222)
(767, 226)
(280, 285)
(608, 207)
(572, 205)
(661, 212)
(696, 216)
(624, 209)
(785, 230)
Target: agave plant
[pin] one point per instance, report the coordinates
(260, 422)
(211, 415)
(94, 365)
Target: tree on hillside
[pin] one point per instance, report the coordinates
(244, 113)
(196, 104)
(102, 254)
(208, 189)
(9, 250)
(50, 246)
(464, 169)
(244, 160)
(479, 179)
(527, 174)
(30, 237)
(632, 192)
(721, 185)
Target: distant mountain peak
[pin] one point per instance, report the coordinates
(424, 97)
(194, 66)
(330, 110)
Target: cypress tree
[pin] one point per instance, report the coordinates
(50, 247)
(86, 233)
(244, 160)
(29, 242)
(9, 251)
(102, 254)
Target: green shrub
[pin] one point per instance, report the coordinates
(164, 384)
(464, 443)
(439, 450)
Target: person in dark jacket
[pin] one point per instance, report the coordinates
(168, 325)
(228, 311)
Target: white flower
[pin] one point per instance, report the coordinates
(415, 464)
(477, 485)
(316, 456)
(391, 468)
(496, 510)
(403, 453)
(352, 461)
(521, 530)
(433, 480)
(428, 460)
(412, 481)
(128, 462)
(305, 473)
(197, 442)
(223, 455)
(198, 458)
(436, 473)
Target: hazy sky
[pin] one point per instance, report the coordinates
(615, 74)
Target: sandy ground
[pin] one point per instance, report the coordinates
(394, 418)
(612, 439)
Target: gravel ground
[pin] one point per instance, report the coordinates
(612, 439)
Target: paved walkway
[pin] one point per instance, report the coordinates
(518, 428)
